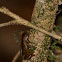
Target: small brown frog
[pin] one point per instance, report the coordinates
(23, 37)
(27, 54)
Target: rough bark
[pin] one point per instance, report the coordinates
(43, 16)
(60, 2)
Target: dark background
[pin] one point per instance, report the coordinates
(8, 45)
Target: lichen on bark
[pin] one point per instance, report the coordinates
(60, 2)
(43, 16)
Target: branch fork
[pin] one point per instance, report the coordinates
(20, 21)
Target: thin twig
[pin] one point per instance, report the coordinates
(8, 23)
(16, 56)
(27, 23)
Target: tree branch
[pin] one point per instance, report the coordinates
(16, 56)
(13, 22)
(22, 21)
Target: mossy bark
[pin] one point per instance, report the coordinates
(44, 14)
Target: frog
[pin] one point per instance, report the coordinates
(23, 38)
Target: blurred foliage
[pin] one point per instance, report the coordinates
(56, 28)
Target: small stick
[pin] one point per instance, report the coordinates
(27, 23)
(8, 23)
(16, 56)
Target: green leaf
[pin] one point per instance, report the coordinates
(55, 47)
(34, 48)
(52, 58)
(55, 42)
(56, 28)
